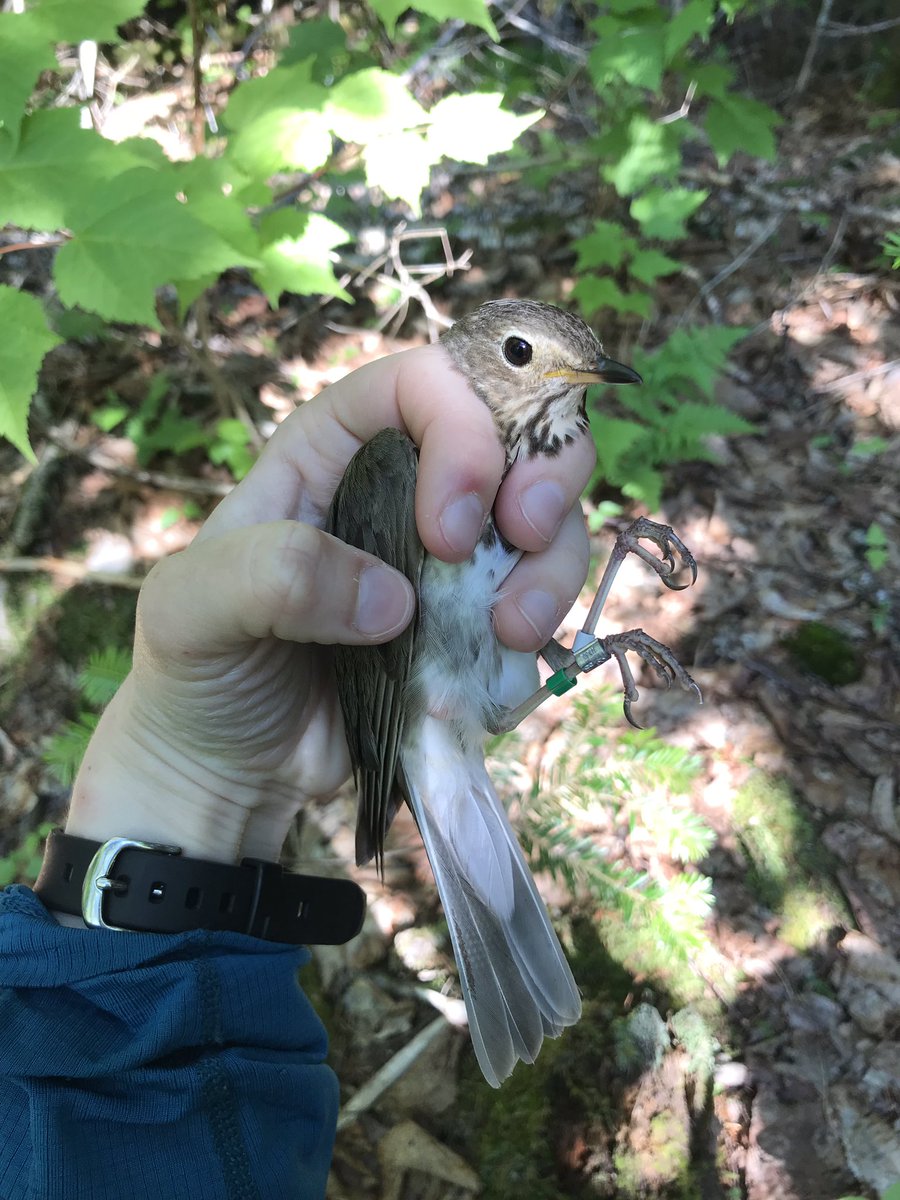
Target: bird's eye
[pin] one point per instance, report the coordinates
(517, 351)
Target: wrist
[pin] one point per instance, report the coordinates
(135, 783)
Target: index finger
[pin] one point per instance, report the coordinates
(419, 391)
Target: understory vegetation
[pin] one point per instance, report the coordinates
(211, 210)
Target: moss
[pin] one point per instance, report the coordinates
(512, 1129)
(788, 868)
(808, 913)
(826, 652)
(663, 1164)
(92, 618)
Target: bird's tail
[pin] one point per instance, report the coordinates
(517, 985)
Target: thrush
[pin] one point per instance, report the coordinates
(417, 711)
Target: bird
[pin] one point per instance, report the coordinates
(418, 710)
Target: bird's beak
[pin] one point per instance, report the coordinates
(607, 370)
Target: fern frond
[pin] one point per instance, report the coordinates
(65, 750)
(105, 671)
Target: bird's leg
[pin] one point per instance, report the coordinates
(629, 542)
(590, 651)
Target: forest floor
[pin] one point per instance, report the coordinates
(790, 1089)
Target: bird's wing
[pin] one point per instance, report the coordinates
(374, 509)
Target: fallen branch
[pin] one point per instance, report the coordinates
(69, 569)
(389, 1073)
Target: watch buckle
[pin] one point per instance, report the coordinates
(98, 878)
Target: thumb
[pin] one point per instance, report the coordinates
(283, 579)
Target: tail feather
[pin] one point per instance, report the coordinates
(516, 983)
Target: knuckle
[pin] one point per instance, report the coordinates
(284, 572)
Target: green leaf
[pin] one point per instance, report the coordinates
(691, 359)
(105, 671)
(662, 212)
(278, 121)
(400, 165)
(690, 422)
(892, 248)
(712, 79)
(643, 483)
(649, 265)
(876, 547)
(25, 51)
(473, 12)
(21, 354)
(297, 255)
(108, 417)
(653, 150)
(593, 293)
(372, 103)
(319, 39)
(613, 437)
(694, 20)
(64, 21)
(212, 189)
(65, 750)
(740, 123)
(634, 53)
(99, 268)
(52, 148)
(472, 128)
(605, 246)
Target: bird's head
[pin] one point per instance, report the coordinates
(531, 364)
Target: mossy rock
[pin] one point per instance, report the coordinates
(826, 652)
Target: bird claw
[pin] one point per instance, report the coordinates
(655, 655)
(670, 545)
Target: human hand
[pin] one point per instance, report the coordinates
(228, 723)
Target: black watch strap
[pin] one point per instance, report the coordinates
(148, 888)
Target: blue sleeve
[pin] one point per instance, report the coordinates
(157, 1067)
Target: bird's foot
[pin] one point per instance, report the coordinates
(589, 651)
(655, 654)
(675, 558)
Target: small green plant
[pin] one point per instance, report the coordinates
(674, 410)
(159, 426)
(23, 864)
(97, 684)
(876, 546)
(788, 870)
(129, 221)
(651, 922)
(892, 249)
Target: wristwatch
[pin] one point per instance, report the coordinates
(144, 887)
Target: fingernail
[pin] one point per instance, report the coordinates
(383, 604)
(543, 505)
(541, 611)
(461, 522)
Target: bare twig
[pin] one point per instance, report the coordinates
(171, 483)
(43, 245)
(801, 202)
(228, 398)
(818, 30)
(685, 108)
(768, 231)
(370, 1092)
(838, 29)
(199, 116)
(869, 373)
(70, 570)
